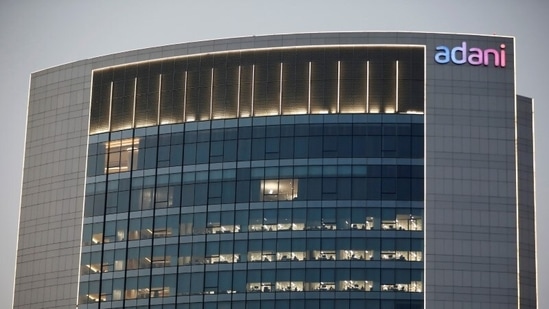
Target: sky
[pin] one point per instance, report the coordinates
(36, 35)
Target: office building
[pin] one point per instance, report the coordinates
(326, 170)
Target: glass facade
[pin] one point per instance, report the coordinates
(310, 194)
(243, 212)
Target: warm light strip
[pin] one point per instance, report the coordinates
(396, 98)
(122, 143)
(110, 108)
(338, 84)
(185, 98)
(253, 86)
(211, 93)
(309, 94)
(261, 49)
(367, 86)
(159, 95)
(134, 101)
(238, 94)
(280, 92)
(94, 269)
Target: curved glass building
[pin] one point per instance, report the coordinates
(348, 170)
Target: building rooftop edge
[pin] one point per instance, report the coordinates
(254, 37)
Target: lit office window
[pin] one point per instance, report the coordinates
(217, 228)
(223, 259)
(324, 255)
(279, 189)
(120, 153)
(413, 286)
(403, 222)
(356, 255)
(290, 256)
(409, 222)
(402, 255)
(320, 286)
(355, 285)
(265, 256)
(289, 286)
(260, 287)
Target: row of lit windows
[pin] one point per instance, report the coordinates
(252, 302)
(268, 220)
(404, 224)
(142, 258)
(259, 287)
(253, 250)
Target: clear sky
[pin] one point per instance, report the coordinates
(38, 34)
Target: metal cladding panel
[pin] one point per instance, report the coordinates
(471, 201)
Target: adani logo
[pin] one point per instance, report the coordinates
(473, 56)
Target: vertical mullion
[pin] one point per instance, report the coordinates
(159, 95)
(185, 98)
(238, 93)
(367, 86)
(110, 106)
(396, 88)
(211, 94)
(338, 83)
(134, 101)
(280, 92)
(253, 88)
(309, 91)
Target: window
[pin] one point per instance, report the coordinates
(260, 287)
(289, 286)
(279, 189)
(356, 255)
(217, 228)
(120, 152)
(354, 285)
(409, 222)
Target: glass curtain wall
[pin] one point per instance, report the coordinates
(284, 178)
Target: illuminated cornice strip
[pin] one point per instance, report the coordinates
(261, 49)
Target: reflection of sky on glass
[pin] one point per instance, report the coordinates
(37, 35)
